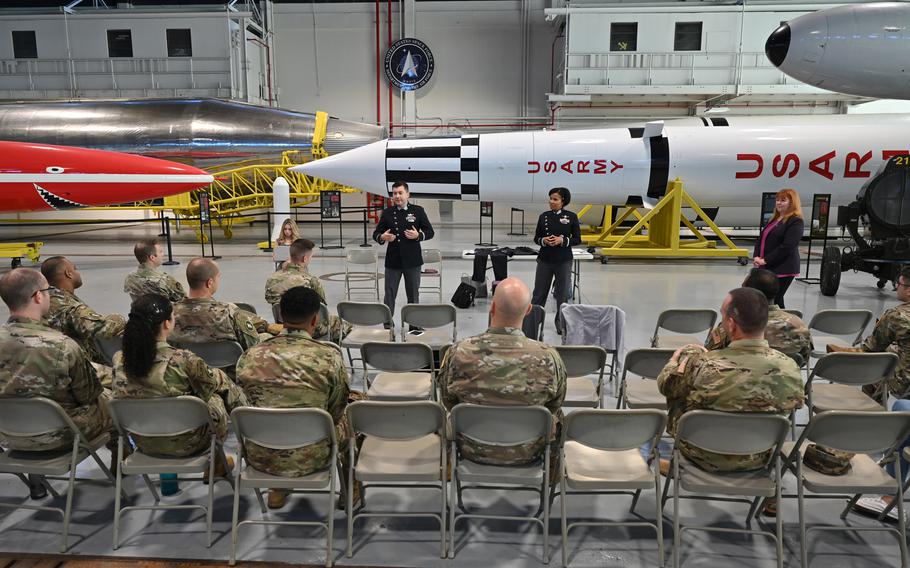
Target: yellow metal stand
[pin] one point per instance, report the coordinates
(657, 232)
(17, 251)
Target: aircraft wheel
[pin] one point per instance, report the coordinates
(228, 232)
(880, 284)
(830, 271)
(16, 263)
(742, 261)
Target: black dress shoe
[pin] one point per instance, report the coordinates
(36, 489)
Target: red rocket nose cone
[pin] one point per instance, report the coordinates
(778, 45)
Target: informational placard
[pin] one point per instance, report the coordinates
(767, 208)
(330, 204)
(205, 215)
(486, 208)
(821, 208)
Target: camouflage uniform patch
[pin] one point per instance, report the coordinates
(892, 334)
(36, 360)
(747, 376)
(176, 372)
(293, 275)
(70, 316)
(294, 370)
(146, 280)
(785, 332)
(503, 367)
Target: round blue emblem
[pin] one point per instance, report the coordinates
(409, 64)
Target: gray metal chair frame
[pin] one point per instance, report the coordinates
(647, 363)
(26, 417)
(613, 353)
(840, 322)
(734, 434)
(501, 426)
(218, 354)
(683, 320)
(361, 257)
(854, 369)
(397, 422)
(164, 417)
(109, 346)
(611, 431)
(390, 357)
(860, 432)
(364, 314)
(246, 307)
(284, 429)
(429, 317)
(434, 257)
(580, 362)
(797, 313)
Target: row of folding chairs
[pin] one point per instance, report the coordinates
(411, 444)
(361, 272)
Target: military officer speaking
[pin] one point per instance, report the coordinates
(403, 226)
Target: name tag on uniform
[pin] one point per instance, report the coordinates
(410, 218)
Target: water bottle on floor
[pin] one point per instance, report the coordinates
(169, 485)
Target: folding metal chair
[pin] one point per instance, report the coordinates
(581, 361)
(684, 323)
(600, 456)
(364, 317)
(406, 371)
(860, 433)
(608, 333)
(218, 354)
(797, 313)
(356, 261)
(739, 434)
(646, 363)
(30, 417)
(431, 319)
(431, 270)
(846, 373)
(109, 346)
(837, 327)
(500, 426)
(164, 418)
(284, 429)
(404, 446)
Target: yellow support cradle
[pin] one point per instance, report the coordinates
(656, 232)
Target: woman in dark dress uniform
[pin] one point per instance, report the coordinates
(557, 232)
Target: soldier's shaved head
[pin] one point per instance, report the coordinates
(53, 268)
(19, 285)
(199, 271)
(300, 249)
(511, 302)
(748, 309)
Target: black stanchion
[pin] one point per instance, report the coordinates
(268, 227)
(486, 210)
(365, 243)
(163, 232)
(167, 234)
(512, 222)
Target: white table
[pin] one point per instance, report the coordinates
(578, 254)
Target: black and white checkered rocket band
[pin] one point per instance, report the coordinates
(440, 168)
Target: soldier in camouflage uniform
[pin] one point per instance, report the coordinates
(747, 376)
(503, 367)
(36, 360)
(785, 332)
(148, 367)
(296, 273)
(147, 279)
(71, 316)
(202, 318)
(294, 370)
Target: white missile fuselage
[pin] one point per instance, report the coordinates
(719, 165)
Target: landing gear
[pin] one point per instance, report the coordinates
(742, 261)
(830, 271)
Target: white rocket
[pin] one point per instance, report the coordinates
(722, 161)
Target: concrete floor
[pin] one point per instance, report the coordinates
(642, 288)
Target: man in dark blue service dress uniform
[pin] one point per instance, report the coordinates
(557, 232)
(403, 226)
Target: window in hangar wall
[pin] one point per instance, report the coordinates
(687, 36)
(179, 43)
(25, 46)
(623, 36)
(119, 43)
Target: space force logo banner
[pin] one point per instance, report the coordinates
(409, 64)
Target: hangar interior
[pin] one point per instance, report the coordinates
(500, 66)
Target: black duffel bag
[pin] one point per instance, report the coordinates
(464, 296)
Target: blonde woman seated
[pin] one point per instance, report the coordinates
(148, 367)
(288, 234)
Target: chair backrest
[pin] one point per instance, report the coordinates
(582, 360)
(428, 315)
(246, 307)
(501, 425)
(159, 417)
(283, 428)
(396, 420)
(647, 362)
(432, 256)
(276, 313)
(614, 430)
(364, 313)
(109, 346)
(361, 256)
(855, 368)
(218, 354)
(29, 417)
(858, 432)
(732, 433)
(797, 313)
(841, 322)
(397, 357)
(686, 320)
